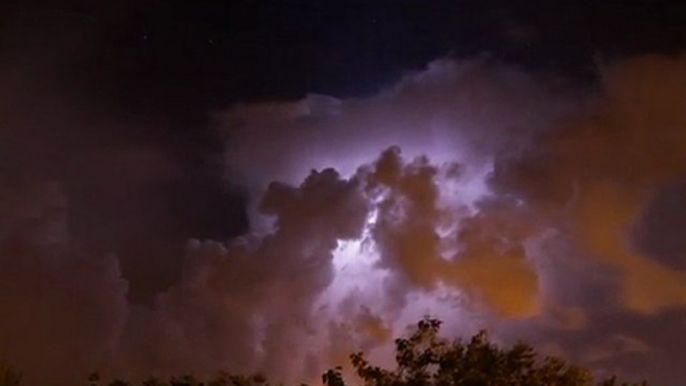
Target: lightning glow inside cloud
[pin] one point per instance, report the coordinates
(472, 191)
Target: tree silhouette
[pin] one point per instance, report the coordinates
(222, 379)
(425, 359)
(422, 359)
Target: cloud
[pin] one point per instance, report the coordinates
(451, 111)
(62, 305)
(657, 233)
(603, 168)
(469, 190)
(490, 263)
(578, 184)
(617, 344)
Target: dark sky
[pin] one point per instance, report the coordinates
(160, 121)
(164, 66)
(179, 58)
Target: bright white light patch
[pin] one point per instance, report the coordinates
(360, 285)
(355, 260)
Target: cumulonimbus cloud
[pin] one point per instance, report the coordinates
(470, 190)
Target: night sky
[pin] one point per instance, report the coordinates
(271, 185)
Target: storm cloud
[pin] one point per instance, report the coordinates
(483, 194)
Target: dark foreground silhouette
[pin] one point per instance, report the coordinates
(422, 359)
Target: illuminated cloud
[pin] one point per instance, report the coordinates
(471, 191)
(601, 170)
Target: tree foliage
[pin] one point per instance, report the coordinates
(422, 359)
(425, 359)
(222, 379)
